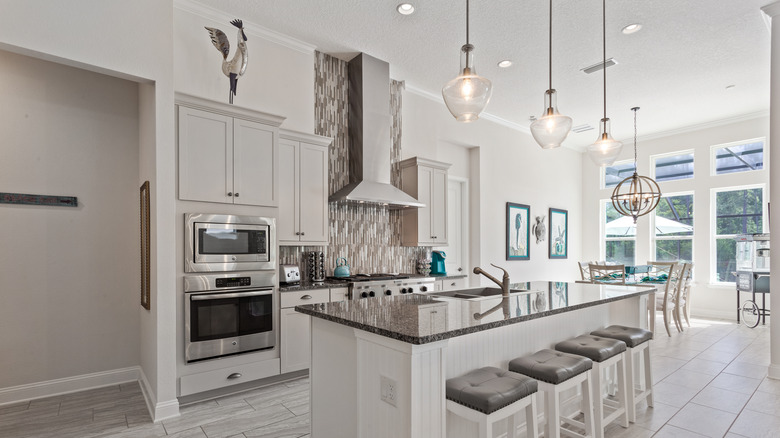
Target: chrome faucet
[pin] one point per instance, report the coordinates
(503, 284)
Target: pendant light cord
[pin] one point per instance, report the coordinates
(550, 45)
(604, 48)
(467, 21)
(634, 109)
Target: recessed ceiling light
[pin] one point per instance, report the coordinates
(730, 87)
(532, 118)
(631, 28)
(405, 8)
(505, 63)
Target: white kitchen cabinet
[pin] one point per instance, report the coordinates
(338, 294)
(445, 284)
(425, 180)
(227, 154)
(296, 328)
(303, 185)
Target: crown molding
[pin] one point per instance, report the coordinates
(251, 28)
(700, 126)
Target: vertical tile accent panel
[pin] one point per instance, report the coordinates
(368, 236)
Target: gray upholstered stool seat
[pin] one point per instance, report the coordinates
(490, 394)
(558, 372)
(551, 366)
(604, 352)
(595, 348)
(632, 336)
(637, 341)
(489, 389)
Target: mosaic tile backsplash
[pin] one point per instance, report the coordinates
(368, 236)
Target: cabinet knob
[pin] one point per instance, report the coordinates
(236, 194)
(302, 233)
(297, 233)
(453, 284)
(460, 269)
(230, 193)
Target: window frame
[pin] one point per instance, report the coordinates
(654, 159)
(713, 226)
(603, 174)
(715, 147)
(654, 238)
(603, 231)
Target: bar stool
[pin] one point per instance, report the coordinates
(557, 372)
(604, 353)
(636, 340)
(490, 394)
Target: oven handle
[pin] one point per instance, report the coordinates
(201, 297)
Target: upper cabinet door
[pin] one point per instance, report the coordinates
(255, 159)
(439, 207)
(205, 156)
(287, 226)
(425, 195)
(314, 193)
(425, 180)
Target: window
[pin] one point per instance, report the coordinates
(737, 211)
(620, 236)
(678, 166)
(674, 228)
(738, 157)
(617, 172)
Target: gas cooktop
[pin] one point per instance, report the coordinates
(369, 277)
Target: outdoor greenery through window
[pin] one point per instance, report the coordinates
(617, 172)
(739, 157)
(737, 211)
(672, 168)
(620, 233)
(674, 228)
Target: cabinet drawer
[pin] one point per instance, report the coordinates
(311, 296)
(453, 283)
(338, 294)
(208, 380)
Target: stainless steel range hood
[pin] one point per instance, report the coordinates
(370, 137)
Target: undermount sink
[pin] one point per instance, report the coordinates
(473, 293)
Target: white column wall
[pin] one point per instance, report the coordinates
(773, 11)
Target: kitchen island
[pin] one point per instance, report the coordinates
(379, 365)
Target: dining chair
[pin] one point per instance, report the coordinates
(683, 308)
(611, 274)
(657, 270)
(667, 302)
(584, 270)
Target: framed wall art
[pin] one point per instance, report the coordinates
(145, 244)
(518, 231)
(559, 234)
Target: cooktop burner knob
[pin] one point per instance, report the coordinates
(371, 294)
(364, 294)
(403, 291)
(423, 288)
(388, 292)
(411, 290)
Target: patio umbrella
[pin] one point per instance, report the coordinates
(625, 226)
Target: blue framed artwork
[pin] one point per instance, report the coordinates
(559, 234)
(518, 231)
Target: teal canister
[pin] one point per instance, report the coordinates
(437, 263)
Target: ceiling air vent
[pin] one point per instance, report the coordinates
(598, 66)
(582, 128)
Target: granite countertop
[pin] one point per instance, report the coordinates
(449, 276)
(421, 319)
(307, 285)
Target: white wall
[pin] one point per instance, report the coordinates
(133, 40)
(707, 299)
(70, 276)
(503, 165)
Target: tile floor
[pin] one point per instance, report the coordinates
(710, 381)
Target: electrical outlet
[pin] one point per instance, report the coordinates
(388, 390)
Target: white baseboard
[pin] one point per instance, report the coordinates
(730, 315)
(774, 372)
(15, 394)
(158, 411)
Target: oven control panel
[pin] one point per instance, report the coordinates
(234, 282)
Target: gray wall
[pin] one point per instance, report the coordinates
(69, 277)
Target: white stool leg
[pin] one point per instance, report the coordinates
(587, 406)
(485, 428)
(511, 425)
(532, 429)
(598, 402)
(623, 389)
(552, 415)
(648, 375)
(630, 381)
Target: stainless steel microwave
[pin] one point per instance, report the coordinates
(220, 243)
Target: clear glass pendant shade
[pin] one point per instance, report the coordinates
(468, 94)
(606, 149)
(552, 128)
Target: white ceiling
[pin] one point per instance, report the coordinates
(676, 68)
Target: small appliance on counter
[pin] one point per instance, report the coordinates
(289, 274)
(315, 265)
(437, 263)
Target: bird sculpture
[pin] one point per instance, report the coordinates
(539, 229)
(236, 66)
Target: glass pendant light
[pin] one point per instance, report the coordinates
(606, 149)
(552, 128)
(636, 195)
(467, 95)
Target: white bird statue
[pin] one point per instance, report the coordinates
(236, 66)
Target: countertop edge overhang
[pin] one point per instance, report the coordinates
(312, 310)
